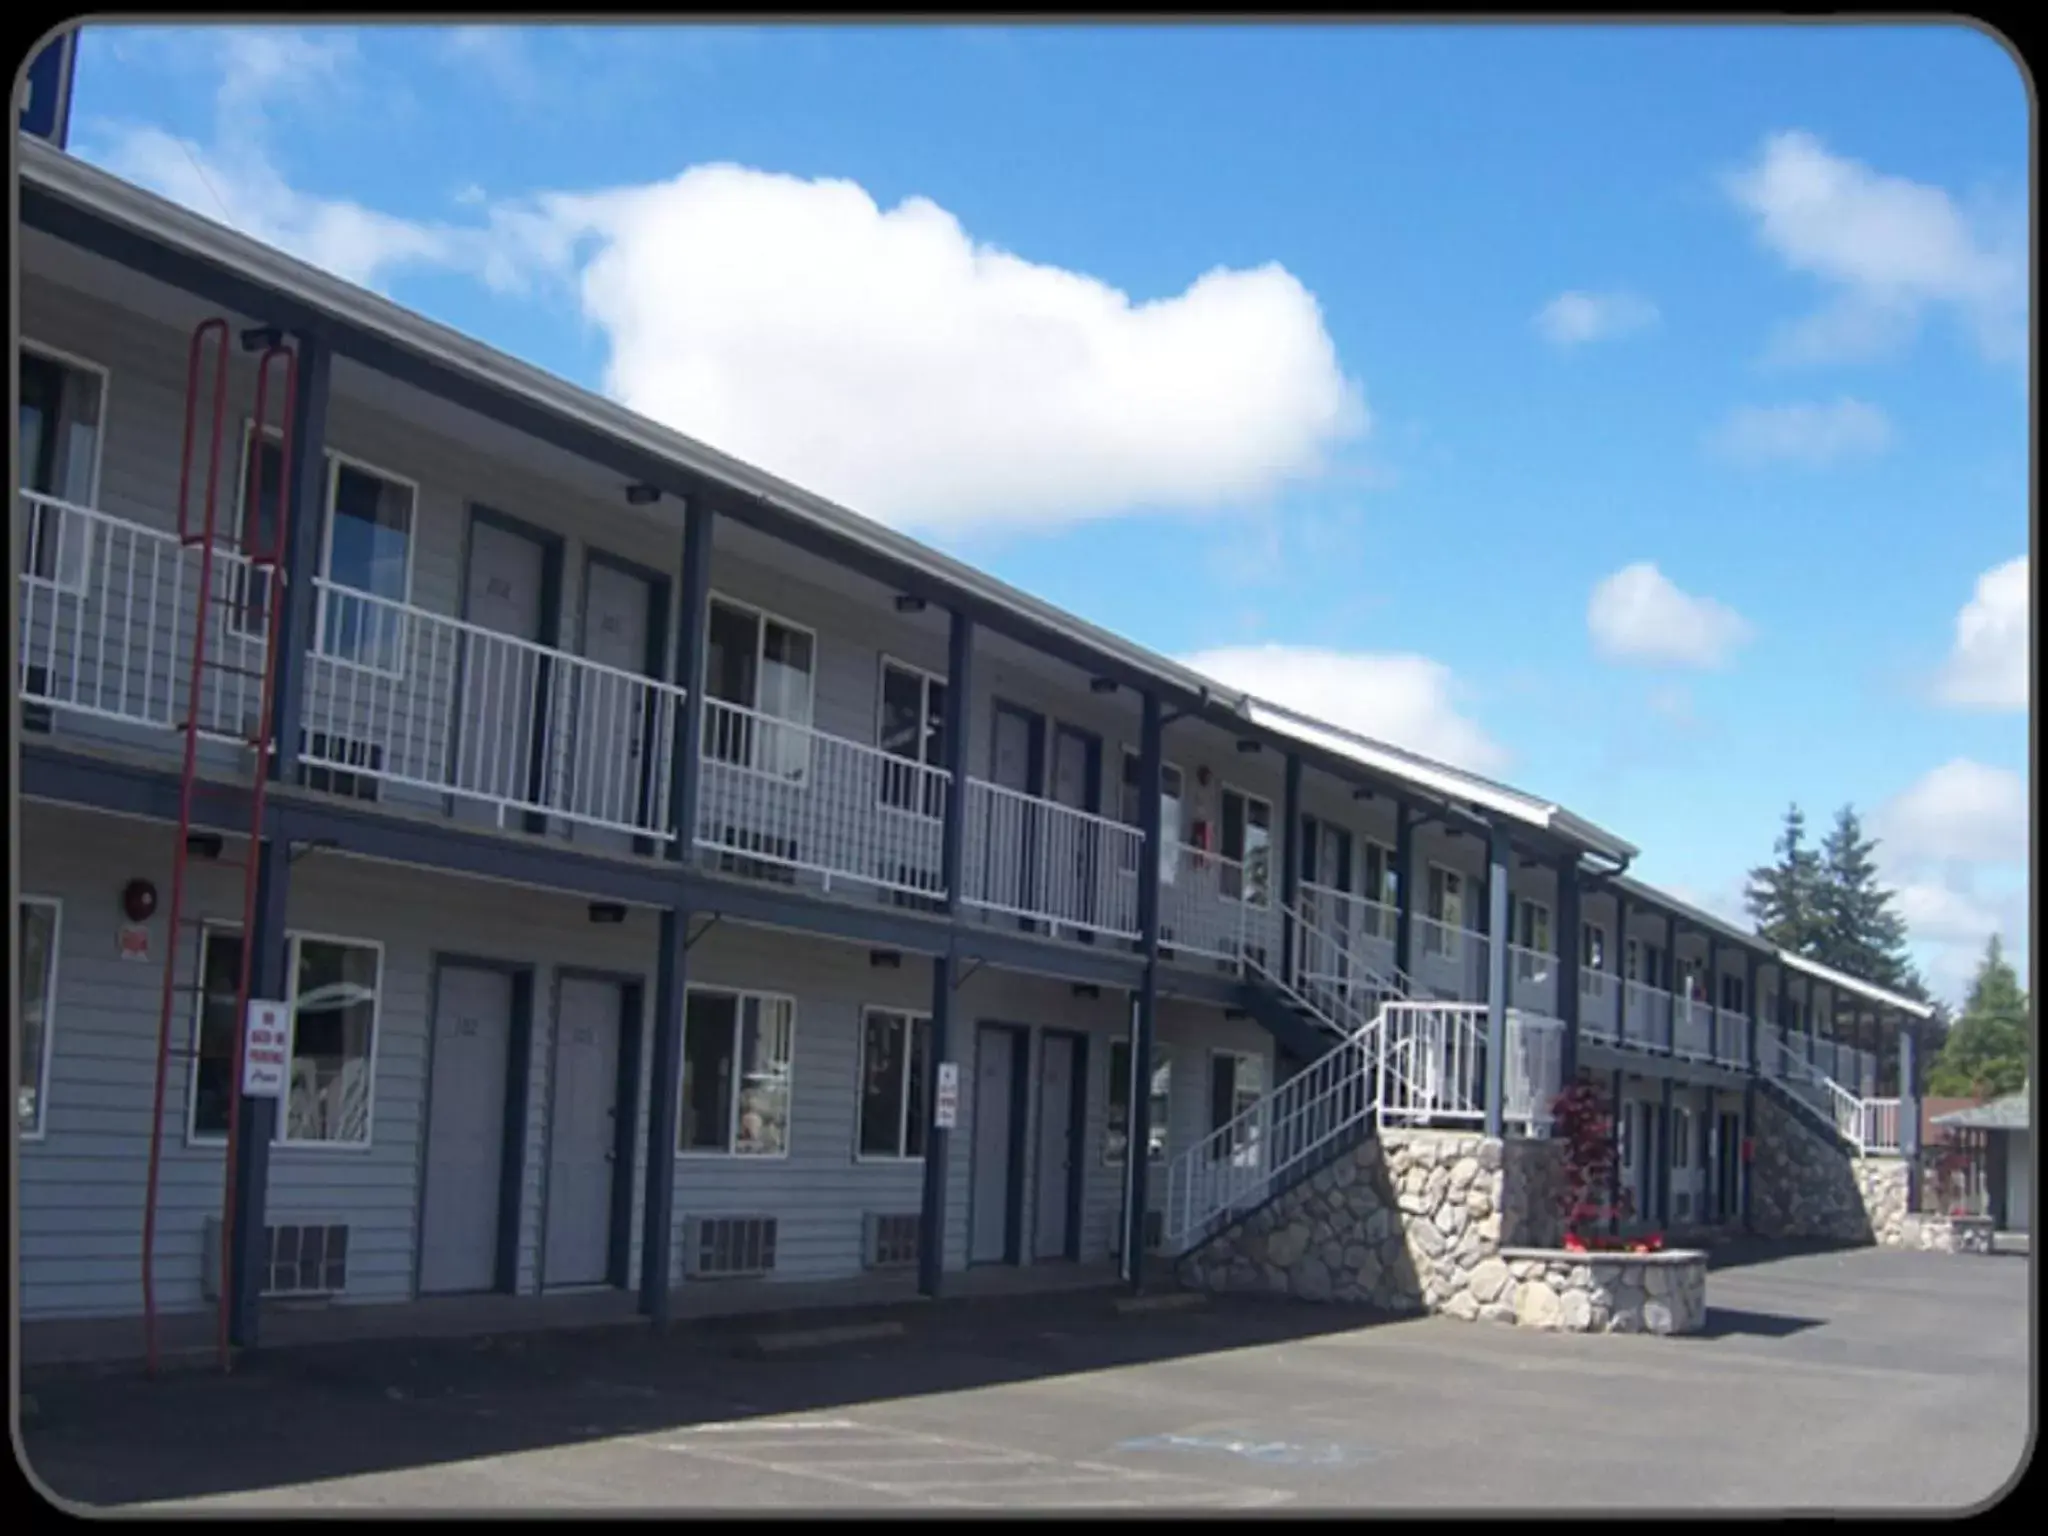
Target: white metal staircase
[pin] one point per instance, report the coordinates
(1397, 1061)
(1866, 1124)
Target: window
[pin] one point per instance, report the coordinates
(367, 566)
(1237, 1081)
(35, 999)
(1532, 926)
(1681, 1138)
(334, 1032)
(1247, 842)
(1593, 946)
(62, 404)
(761, 669)
(736, 1074)
(213, 1035)
(1731, 994)
(894, 1047)
(1632, 959)
(1171, 840)
(1445, 930)
(1383, 887)
(913, 728)
(1117, 1134)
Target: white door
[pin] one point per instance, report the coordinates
(989, 1240)
(465, 1131)
(613, 771)
(501, 683)
(582, 1129)
(1055, 1145)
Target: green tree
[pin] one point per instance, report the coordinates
(1988, 1048)
(1856, 930)
(1784, 898)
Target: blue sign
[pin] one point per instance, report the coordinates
(46, 89)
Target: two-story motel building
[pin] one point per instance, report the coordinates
(643, 833)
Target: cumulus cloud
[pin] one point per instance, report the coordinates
(1640, 614)
(1574, 318)
(1885, 250)
(1404, 700)
(881, 356)
(1987, 664)
(1808, 434)
(1953, 845)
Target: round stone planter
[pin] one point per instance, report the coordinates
(1947, 1234)
(1568, 1292)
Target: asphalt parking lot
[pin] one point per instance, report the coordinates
(1857, 1380)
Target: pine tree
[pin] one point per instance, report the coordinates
(1987, 1052)
(1783, 898)
(1857, 932)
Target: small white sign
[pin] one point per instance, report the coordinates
(135, 941)
(266, 1049)
(946, 1102)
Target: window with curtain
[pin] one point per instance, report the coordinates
(334, 1024)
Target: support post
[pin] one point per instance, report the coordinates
(1909, 1110)
(270, 977)
(1671, 985)
(1615, 1131)
(1748, 1138)
(305, 516)
(1664, 1155)
(1713, 996)
(671, 981)
(1145, 1004)
(1812, 1021)
(1404, 889)
(1290, 865)
(1498, 854)
(1750, 1009)
(1571, 952)
(1621, 969)
(931, 1221)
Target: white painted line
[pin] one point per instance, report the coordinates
(743, 1426)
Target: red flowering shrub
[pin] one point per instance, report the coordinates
(1583, 1123)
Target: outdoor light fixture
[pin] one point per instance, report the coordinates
(138, 901)
(607, 911)
(1102, 685)
(1247, 745)
(885, 959)
(1233, 1013)
(641, 494)
(261, 338)
(1361, 794)
(1086, 989)
(905, 603)
(204, 845)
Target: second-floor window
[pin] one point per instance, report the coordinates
(1247, 843)
(1445, 930)
(913, 728)
(761, 668)
(1593, 947)
(1532, 927)
(1383, 887)
(59, 420)
(366, 565)
(1731, 994)
(1131, 809)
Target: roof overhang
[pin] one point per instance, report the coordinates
(1815, 971)
(2010, 1113)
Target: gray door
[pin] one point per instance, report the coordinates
(993, 1071)
(1055, 1145)
(465, 1130)
(1012, 840)
(582, 1126)
(611, 770)
(501, 683)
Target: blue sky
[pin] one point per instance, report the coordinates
(1630, 413)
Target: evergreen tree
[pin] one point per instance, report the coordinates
(1856, 930)
(1988, 1050)
(1784, 898)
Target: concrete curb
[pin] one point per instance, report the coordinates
(1160, 1302)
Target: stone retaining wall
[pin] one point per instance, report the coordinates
(1660, 1293)
(1804, 1185)
(1411, 1223)
(1947, 1234)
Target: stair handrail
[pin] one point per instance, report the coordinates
(1855, 1118)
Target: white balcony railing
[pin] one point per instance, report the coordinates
(1731, 1037)
(1692, 1029)
(1649, 1016)
(1532, 980)
(1351, 917)
(1535, 1069)
(785, 797)
(406, 697)
(109, 613)
(1031, 858)
(1201, 910)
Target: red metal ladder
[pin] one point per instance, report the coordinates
(264, 581)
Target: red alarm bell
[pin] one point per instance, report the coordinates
(138, 901)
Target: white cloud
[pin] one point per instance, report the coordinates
(1573, 318)
(1886, 250)
(1639, 614)
(497, 55)
(879, 356)
(1405, 700)
(1987, 665)
(1813, 435)
(1953, 845)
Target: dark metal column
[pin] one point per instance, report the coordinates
(305, 519)
(1151, 761)
(1909, 1110)
(1617, 1109)
(671, 981)
(1404, 897)
(269, 977)
(1498, 934)
(1571, 949)
(1620, 969)
(1290, 864)
(931, 1224)
(1663, 1169)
